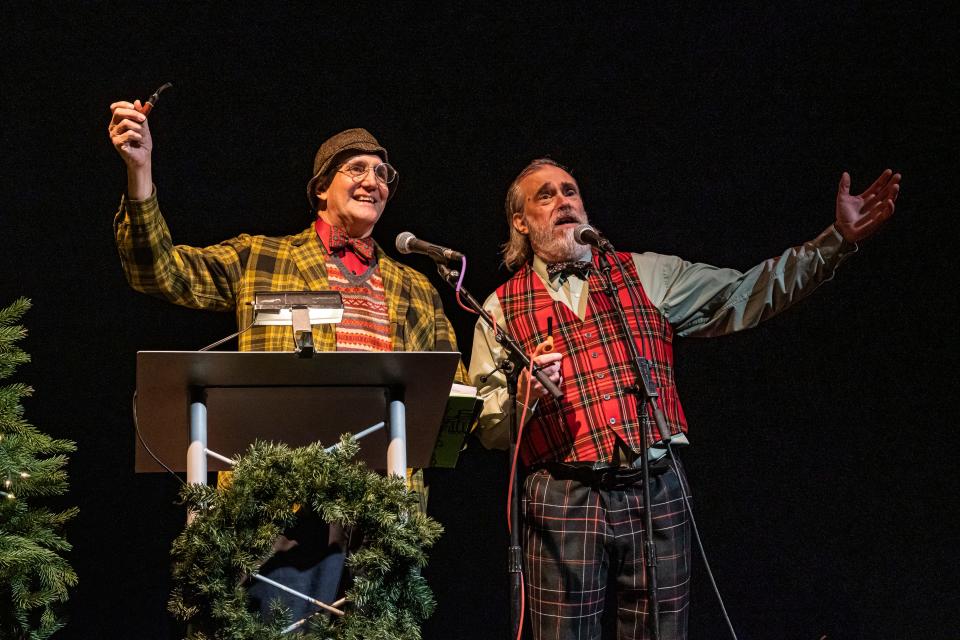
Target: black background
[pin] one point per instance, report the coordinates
(823, 440)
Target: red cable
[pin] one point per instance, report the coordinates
(523, 606)
(544, 347)
(463, 306)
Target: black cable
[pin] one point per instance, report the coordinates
(683, 489)
(136, 424)
(143, 443)
(222, 340)
(696, 534)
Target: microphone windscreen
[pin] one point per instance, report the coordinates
(403, 241)
(585, 234)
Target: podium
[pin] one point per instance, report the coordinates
(192, 405)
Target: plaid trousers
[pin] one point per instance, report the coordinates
(578, 537)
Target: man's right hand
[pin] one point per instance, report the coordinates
(130, 135)
(550, 363)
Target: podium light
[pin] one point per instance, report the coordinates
(301, 309)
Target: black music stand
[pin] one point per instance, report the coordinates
(281, 397)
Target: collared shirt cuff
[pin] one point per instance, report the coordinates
(844, 248)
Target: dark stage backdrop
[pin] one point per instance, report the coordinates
(823, 441)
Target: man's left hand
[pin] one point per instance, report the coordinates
(859, 216)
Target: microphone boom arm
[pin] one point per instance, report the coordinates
(515, 353)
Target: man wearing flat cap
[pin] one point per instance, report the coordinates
(387, 305)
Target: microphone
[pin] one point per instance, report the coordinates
(408, 243)
(587, 235)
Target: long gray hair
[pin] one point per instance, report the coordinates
(516, 250)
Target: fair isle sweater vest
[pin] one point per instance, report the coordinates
(366, 318)
(595, 411)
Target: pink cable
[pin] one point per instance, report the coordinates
(463, 270)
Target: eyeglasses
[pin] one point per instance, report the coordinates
(358, 171)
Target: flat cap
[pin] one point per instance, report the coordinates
(358, 139)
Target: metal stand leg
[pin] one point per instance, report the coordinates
(397, 449)
(196, 453)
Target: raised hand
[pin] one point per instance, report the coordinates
(130, 135)
(859, 216)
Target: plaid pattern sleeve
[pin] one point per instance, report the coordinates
(198, 278)
(221, 277)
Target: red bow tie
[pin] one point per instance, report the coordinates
(340, 241)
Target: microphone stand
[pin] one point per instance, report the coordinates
(514, 362)
(643, 391)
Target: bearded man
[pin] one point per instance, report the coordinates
(583, 501)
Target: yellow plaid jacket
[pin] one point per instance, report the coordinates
(224, 277)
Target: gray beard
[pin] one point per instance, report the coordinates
(552, 248)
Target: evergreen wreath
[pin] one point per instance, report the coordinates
(234, 530)
(34, 576)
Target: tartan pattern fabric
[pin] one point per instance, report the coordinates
(224, 277)
(578, 538)
(366, 323)
(594, 412)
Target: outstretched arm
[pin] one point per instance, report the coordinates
(701, 300)
(200, 278)
(859, 216)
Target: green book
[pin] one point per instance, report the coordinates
(462, 410)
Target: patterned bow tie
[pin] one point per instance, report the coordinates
(340, 241)
(564, 270)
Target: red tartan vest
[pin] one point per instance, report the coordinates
(594, 411)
